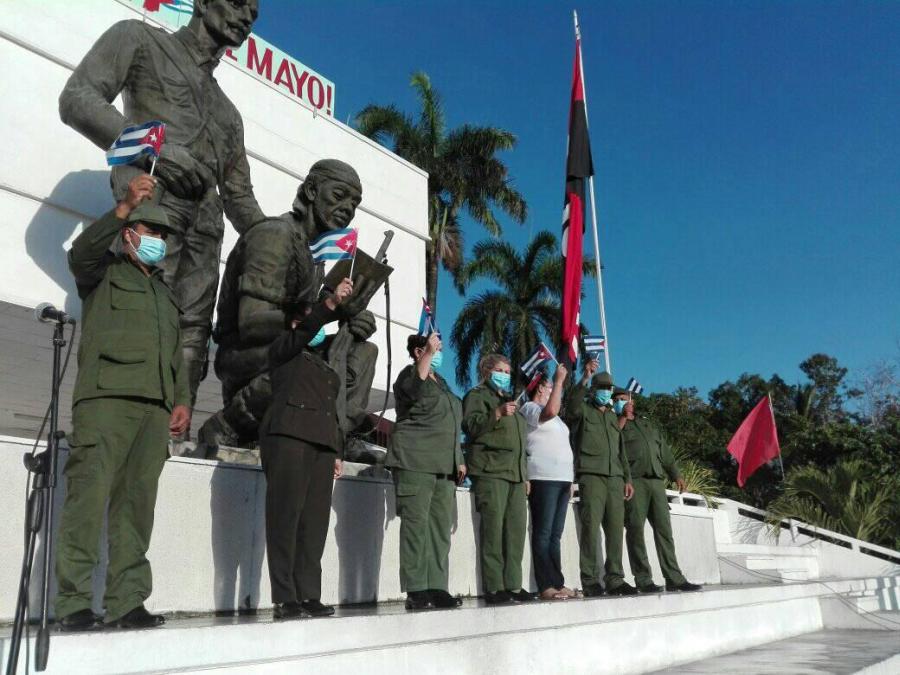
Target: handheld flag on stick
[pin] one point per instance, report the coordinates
(756, 441)
(535, 381)
(427, 325)
(594, 345)
(579, 166)
(541, 356)
(634, 386)
(135, 142)
(335, 245)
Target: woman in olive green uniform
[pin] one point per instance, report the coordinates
(426, 460)
(496, 435)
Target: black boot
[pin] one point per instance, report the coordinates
(83, 619)
(522, 595)
(444, 600)
(622, 589)
(315, 608)
(498, 598)
(287, 610)
(650, 588)
(416, 600)
(685, 587)
(139, 617)
(593, 590)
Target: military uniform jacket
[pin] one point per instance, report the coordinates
(426, 434)
(596, 438)
(496, 447)
(130, 338)
(304, 387)
(648, 451)
(166, 77)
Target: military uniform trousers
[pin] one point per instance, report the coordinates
(117, 452)
(502, 507)
(601, 503)
(650, 504)
(299, 479)
(425, 504)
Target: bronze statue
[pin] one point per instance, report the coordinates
(270, 268)
(202, 165)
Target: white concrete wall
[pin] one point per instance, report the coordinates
(208, 546)
(53, 181)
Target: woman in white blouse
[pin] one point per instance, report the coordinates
(550, 475)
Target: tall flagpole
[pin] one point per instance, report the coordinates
(593, 208)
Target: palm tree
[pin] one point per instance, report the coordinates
(523, 311)
(463, 172)
(845, 498)
(700, 479)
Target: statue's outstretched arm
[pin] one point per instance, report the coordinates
(241, 206)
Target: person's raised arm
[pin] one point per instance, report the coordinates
(423, 365)
(554, 405)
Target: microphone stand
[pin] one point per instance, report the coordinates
(39, 518)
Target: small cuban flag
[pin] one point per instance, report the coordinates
(427, 326)
(335, 245)
(594, 345)
(634, 386)
(540, 356)
(136, 141)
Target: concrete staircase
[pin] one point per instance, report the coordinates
(753, 563)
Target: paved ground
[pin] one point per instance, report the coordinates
(831, 652)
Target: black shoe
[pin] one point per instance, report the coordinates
(140, 618)
(685, 587)
(498, 598)
(622, 589)
(593, 590)
(287, 610)
(650, 588)
(444, 600)
(418, 600)
(315, 608)
(83, 619)
(522, 595)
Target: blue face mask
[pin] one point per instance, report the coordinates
(603, 396)
(151, 249)
(501, 380)
(318, 338)
(619, 406)
(437, 360)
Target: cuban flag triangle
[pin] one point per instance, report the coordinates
(594, 345)
(136, 141)
(634, 386)
(427, 326)
(541, 356)
(335, 245)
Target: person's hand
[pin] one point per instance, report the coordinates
(338, 468)
(433, 344)
(571, 492)
(680, 484)
(343, 291)
(362, 326)
(527, 488)
(140, 188)
(629, 491)
(356, 304)
(461, 472)
(506, 409)
(591, 367)
(183, 175)
(179, 420)
(560, 374)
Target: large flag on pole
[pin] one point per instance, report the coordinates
(579, 167)
(756, 441)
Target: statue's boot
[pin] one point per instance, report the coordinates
(215, 431)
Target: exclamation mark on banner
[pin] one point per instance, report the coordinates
(328, 102)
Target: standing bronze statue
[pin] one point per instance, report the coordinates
(202, 166)
(270, 268)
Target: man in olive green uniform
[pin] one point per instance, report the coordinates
(131, 392)
(496, 461)
(651, 462)
(426, 461)
(604, 481)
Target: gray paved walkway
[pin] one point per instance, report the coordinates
(827, 652)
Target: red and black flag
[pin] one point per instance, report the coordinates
(579, 167)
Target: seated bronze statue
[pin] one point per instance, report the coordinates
(269, 268)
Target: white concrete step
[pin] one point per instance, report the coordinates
(575, 636)
(753, 563)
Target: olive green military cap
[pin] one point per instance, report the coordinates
(603, 379)
(149, 214)
(619, 391)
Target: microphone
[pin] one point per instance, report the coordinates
(47, 313)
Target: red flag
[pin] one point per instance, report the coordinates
(579, 166)
(153, 5)
(756, 441)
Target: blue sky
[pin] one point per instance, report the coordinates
(747, 158)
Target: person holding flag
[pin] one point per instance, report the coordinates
(604, 481)
(496, 434)
(549, 486)
(426, 461)
(650, 462)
